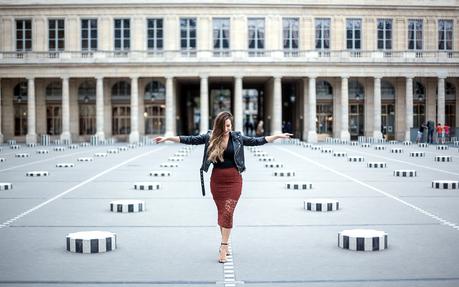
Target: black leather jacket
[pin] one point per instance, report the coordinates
(239, 141)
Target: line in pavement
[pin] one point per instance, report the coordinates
(8, 222)
(431, 215)
(43, 160)
(405, 162)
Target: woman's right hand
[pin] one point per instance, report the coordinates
(160, 139)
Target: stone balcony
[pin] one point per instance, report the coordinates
(228, 56)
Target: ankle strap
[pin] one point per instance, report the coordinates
(224, 243)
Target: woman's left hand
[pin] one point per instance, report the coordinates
(284, 136)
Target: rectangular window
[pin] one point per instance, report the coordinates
(384, 32)
(322, 35)
(188, 36)
(415, 34)
(155, 36)
(445, 35)
(122, 34)
(23, 35)
(221, 36)
(256, 39)
(353, 34)
(290, 27)
(56, 35)
(89, 34)
(20, 119)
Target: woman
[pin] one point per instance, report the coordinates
(225, 150)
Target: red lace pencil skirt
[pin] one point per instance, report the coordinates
(225, 186)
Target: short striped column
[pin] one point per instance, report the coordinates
(396, 150)
(284, 173)
(123, 148)
(365, 145)
(22, 155)
(6, 186)
(59, 148)
(15, 146)
(91, 242)
(113, 150)
(299, 185)
(340, 154)
(175, 159)
(74, 146)
(316, 147)
(376, 164)
(100, 154)
(160, 173)
(319, 204)
(417, 154)
(405, 173)
(37, 173)
(326, 150)
(423, 145)
(407, 143)
(127, 206)
(393, 142)
(169, 164)
(443, 158)
(355, 158)
(2, 159)
(260, 153)
(362, 240)
(31, 145)
(274, 165)
(85, 159)
(85, 144)
(42, 151)
(147, 185)
(267, 158)
(442, 147)
(445, 184)
(380, 147)
(354, 143)
(65, 164)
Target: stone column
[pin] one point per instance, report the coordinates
(31, 109)
(276, 124)
(377, 108)
(408, 107)
(100, 109)
(204, 122)
(238, 117)
(65, 110)
(441, 101)
(134, 135)
(312, 133)
(344, 134)
(1, 106)
(170, 115)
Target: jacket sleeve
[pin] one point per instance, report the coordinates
(194, 140)
(253, 141)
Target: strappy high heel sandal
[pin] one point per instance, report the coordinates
(222, 260)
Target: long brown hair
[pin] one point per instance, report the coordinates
(216, 148)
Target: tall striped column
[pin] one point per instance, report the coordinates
(134, 134)
(408, 107)
(31, 136)
(100, 133)
(65, 110)
(204, 122)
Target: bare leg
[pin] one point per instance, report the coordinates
(224, 248)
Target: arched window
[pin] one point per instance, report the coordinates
(121, 90)
(387, 90)
(54, 90)
(87, 92)
(324, 90)
(155, 90)
(356, 90)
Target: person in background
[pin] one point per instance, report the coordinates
(446, 131)
(440, 134)
(420, 133)
(430, 131)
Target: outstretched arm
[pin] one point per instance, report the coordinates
(272, 138)
(163, 139)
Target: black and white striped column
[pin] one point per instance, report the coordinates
(445, 184)
(356, 158)
(319, 204)
(284, 173)
(299, 185)
(127, 206)
(160, 173)
(37, 173)
(396, 150)
(443, 158)
(6, 186)
(362, 240)
(405, 173)
(376, 164)
(147, 185)
(91, 242)
(417, 154)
